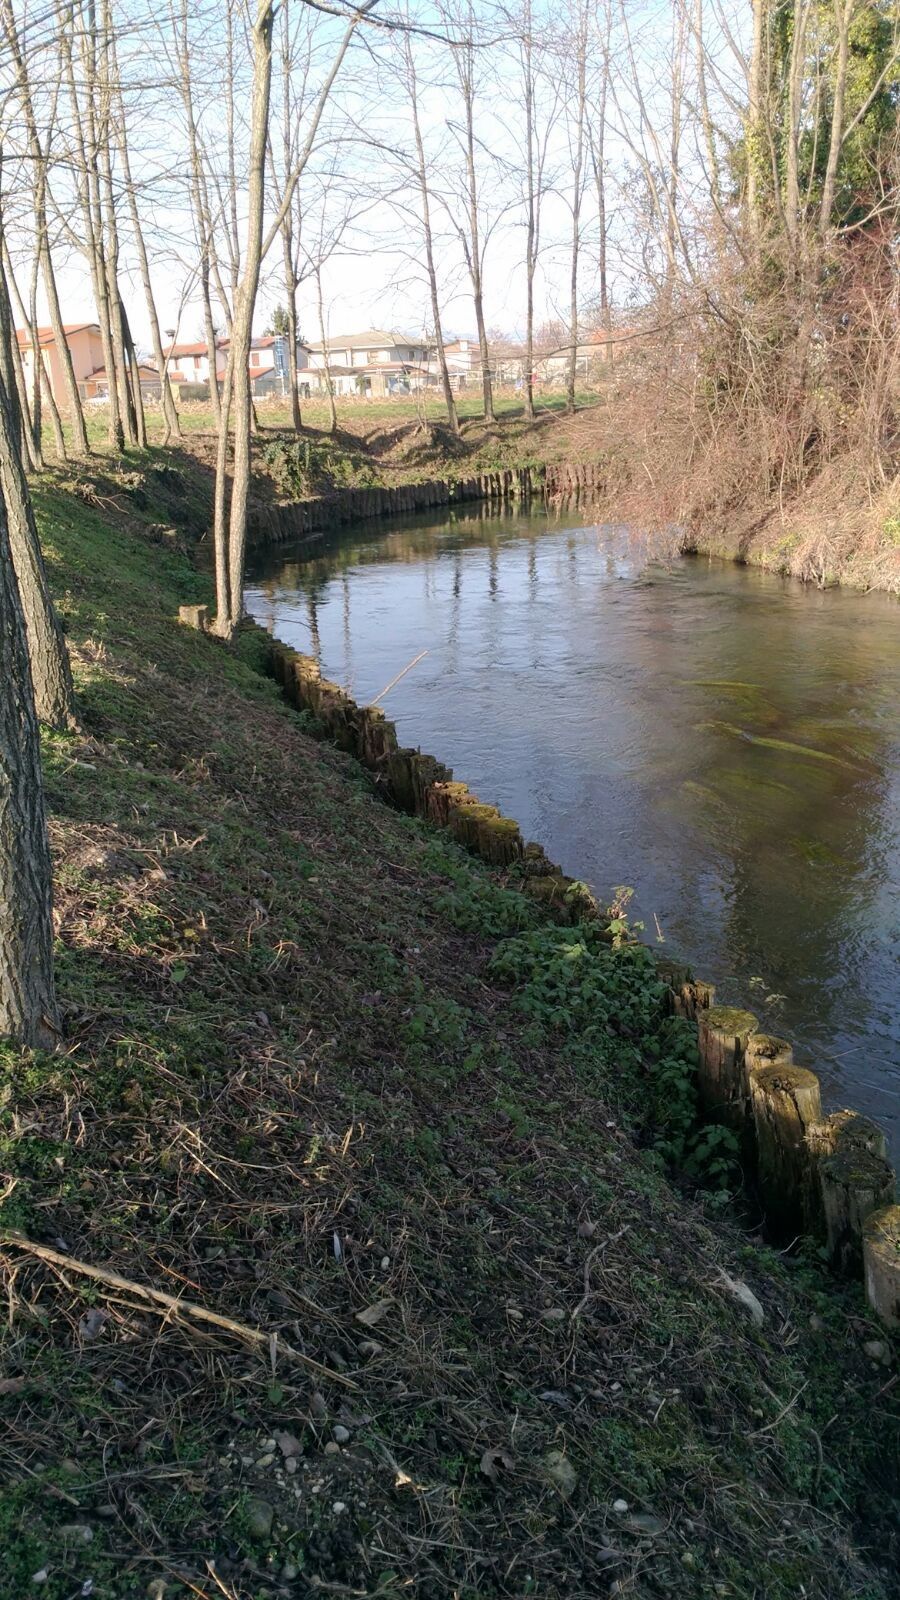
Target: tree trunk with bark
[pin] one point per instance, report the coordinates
(51, 676)
(28, 1010)
(242, 324)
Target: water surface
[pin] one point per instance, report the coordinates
(724, 741)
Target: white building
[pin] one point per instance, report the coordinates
(376, 362)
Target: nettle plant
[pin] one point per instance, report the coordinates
(602, 989)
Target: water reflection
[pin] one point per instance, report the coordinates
(725, 741)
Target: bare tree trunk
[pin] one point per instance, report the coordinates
(709, 138)
(464, 59)
(329, 386)
(527, 55)
(244, 303)
(291, 276)
(51, 676)
(31, 439)
(428, 240)
(791, 159)
(87, 181)
(843, 15)
(577, 196)
(41, 382)
(28, 1011)
(597, 138)
(757, 100)
(38, 157)
(167, 399)
(111, 242)
(293, 333)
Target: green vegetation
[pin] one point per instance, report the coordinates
(327, 1077)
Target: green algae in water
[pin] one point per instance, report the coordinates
(723, 683)
(769, 743)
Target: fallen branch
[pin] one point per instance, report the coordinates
(406, 669)
(179, 1308)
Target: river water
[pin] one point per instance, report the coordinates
(725, 742)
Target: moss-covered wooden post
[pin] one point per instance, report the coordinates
(761, 1050)
(723, 1034)
(855, 1182)
(785, 1102)
(881, 1261)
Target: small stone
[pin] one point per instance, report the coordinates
(341, 1434)
(77, 1532)
(688, 1558)
(555, 1314)
(40, 1577)
(291, 1464)
(318, 1407)
(332, 1449)
(260, 1516)
(269, 1444)
(289, 1571)
(816, 1324)
(876, 1350)
(620, 1507)
(586, 1228)
(266, 1460)
(370, 1347)
(338, 1508)
(385, 1263)
(157, 1589)
(289, 1444)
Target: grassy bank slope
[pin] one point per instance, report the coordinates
(296, 1091)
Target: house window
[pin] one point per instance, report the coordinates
(254, 358)
(411, 355)
(196, 363)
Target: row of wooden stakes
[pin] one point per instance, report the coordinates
(275, 523)
(825, 1176)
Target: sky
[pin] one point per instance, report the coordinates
(374, 276)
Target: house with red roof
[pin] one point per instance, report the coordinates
(85, 348)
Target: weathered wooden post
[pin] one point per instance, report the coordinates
(761, 1050)
(855, 1182)
(785, 1102)
(194, 617)
(723, 1034)
(881, 1261)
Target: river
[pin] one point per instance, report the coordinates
(723, 741)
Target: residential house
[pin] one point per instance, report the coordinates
(590, 356)
(85, 348)
(376, 362)
(463, 362)
(268, 363)
(97, 385)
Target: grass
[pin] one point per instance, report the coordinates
(315, 1069)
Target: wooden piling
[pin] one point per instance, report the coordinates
(881, 1261)
(854, 1184)
(723, 1033)
(785, 1101)
(194, 617)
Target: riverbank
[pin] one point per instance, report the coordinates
(837, 532)
(321, 1080)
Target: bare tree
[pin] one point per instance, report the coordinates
(421, 178)
(575, 63)
(51, 675)
(28, 1010)
(230, 542)
(39, 160)
(464, 51)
